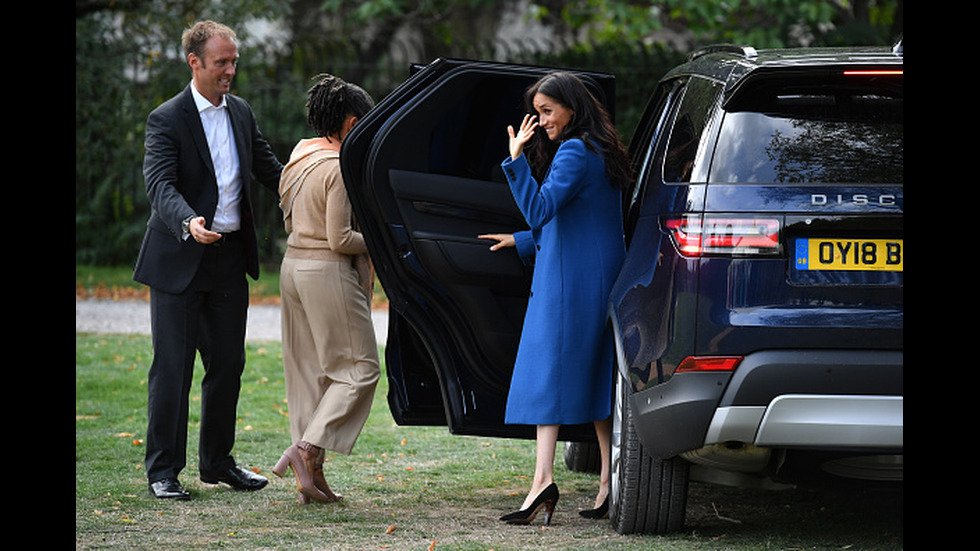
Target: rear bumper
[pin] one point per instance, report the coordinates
(825, 399)
(813, 421)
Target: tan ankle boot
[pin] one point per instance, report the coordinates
(301, 460)
(320, 481)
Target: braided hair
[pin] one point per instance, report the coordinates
(331, 101)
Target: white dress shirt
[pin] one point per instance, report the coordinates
(224, 157)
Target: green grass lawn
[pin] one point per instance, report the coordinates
(411, 488)
(405, 488)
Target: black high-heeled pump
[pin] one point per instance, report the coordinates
(601, 511)
(547, 499)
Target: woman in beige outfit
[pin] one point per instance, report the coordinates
(330, 357)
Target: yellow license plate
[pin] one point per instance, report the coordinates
(884, 255)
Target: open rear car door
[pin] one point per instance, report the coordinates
(423, 173)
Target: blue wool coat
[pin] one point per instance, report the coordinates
(564, 368)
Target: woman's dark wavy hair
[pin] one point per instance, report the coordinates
(331, 100)
(590, 123)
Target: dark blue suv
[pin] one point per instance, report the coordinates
(759, 314)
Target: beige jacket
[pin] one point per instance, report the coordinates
(315, 207)
(316, 210)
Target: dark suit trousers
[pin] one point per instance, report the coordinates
(208, 316)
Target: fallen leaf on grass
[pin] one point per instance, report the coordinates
(391, 528)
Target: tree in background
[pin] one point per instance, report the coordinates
(761, 23)
(128, 60)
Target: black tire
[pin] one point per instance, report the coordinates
(648, 494)
(582, 457)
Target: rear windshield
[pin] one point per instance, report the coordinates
(813, 138)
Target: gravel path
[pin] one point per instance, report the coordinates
(133, 316)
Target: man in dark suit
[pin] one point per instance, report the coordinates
(203, 147)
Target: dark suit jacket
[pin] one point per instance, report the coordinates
(180, 182)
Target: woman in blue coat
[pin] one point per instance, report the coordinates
(564, 368)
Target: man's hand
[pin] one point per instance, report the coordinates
(200, 233)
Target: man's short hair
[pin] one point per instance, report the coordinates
(194, 38)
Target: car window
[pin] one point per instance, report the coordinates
(813, 138)
(470, 137)
(469, 123)
(649, 134)
(684, 149)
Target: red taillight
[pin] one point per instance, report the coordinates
(708, 363)
(694, 235)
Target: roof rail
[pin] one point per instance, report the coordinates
(746, 51)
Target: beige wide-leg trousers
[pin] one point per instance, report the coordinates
(330, 357)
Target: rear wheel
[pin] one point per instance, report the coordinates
(648, 494)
